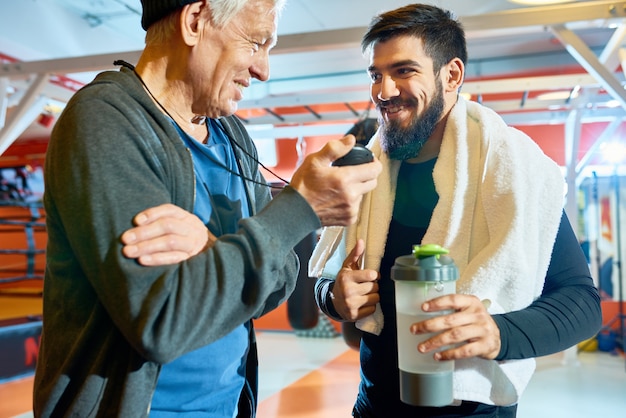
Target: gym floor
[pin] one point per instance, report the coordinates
(312, 377)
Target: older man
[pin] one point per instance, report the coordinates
(163, 243)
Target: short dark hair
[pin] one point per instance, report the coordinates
(441, 32)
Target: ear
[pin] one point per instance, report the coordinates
(453, 74)
(192, 22)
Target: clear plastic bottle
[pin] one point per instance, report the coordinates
(426, 274)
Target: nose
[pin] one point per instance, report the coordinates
(387, 89)
(260, 68)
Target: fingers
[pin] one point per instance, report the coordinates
(158, 212)
(165, 234)
(352, 272)
(166, 242)
(162, 258)
(483, 346)
(469, 331)
(335, 193)
(333, 150)
(471, 340)
(353, 260)
(153, 222)
(355, 291)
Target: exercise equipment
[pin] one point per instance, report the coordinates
(302, 310)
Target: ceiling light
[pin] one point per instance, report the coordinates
(540, 2)
(558, 95)
(614, 152)
(613, 104)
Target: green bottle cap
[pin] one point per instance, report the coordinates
(428, 250)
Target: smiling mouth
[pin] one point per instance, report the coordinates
(396, 105)
(392, 108)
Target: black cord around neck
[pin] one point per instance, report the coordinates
(232, 140)
(252, 157)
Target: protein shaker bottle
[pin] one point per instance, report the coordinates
(426, 274)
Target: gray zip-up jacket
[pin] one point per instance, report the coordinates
(108, 322)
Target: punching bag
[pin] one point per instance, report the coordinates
(364, 130)
(302, 310)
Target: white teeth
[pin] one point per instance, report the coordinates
(393, 109)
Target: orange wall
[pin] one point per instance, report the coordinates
(550, 138)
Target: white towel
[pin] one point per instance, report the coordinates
(500, 201)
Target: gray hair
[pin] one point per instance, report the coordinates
(222, 11)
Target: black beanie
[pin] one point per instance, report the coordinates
(154, 10)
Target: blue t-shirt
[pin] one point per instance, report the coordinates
(207, 382)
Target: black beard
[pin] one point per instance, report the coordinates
(401, 143)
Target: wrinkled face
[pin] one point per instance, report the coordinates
(407, 93)
(227, 59)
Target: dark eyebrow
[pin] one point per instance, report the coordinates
(398, 64)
